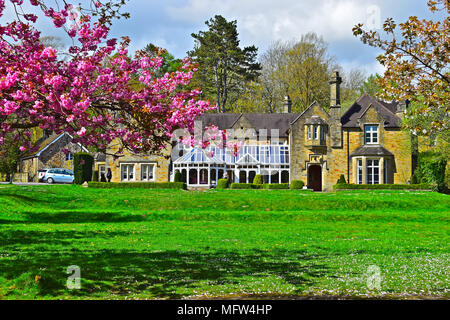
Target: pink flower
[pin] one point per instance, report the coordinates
(48, 52)
(22, 148)
(81, 132)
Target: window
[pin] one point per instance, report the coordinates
(102, 172)
(371, 134)
(127, 172)
(359, 174)
(309, 133)
(373, 171)
(69, 156)
(316, 132)
(386, 171)
(147, 172)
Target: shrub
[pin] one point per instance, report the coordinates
(341, 180)
(431, 170)
(297, 184)
(177, 177)
(276, 186)
(241, 186)
(258, 179)
(347, 186)
(82, 167)
(95, 176)
(447, 177)
(138, 185)
(222, 184)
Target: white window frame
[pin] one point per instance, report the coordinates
(359, 171)
(370, 170)
(370, 139)
(309, 132)
(128, 173)
(316, 132)
(69, 156)
(144, 165)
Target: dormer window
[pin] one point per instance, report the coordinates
(316, 132)
(371, 134)
(309, 132)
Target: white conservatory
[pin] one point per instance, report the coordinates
(204, 167)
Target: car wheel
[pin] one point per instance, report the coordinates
(50, 180)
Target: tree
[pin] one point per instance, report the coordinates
(224, 67)
(351, 87)
(300, 69)
(170, 63)
(92, 100)
(371, 86)
(416, 57)
(9, 157)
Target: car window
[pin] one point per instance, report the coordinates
(58, 171)
(51, 171)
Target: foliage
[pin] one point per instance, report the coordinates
(170, 63)
(245, 186)
(224, 67)
(431, 170)
(297, 184)
(416, 58)
(90, 95)
(263, 240)
(177, 177)
(341, 180)
(371, 86)
(138, 185)
(95, 176)
(9, 156)
(258, 179)
(82, 167)
(349, 186)
(222, 184)
(276, 186)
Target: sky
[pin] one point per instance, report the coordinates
(170, 23)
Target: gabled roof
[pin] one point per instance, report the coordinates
(46, 143)
(258, 121)
(371, 150)
(386, 109)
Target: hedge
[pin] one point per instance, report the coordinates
(297, 184)
(246, 186)
(144, 185)
(95, 176)
(82, 167)
(177, 177)
(260, 186)
(258, 179)
(222, 184)
(347, 186)
(276, 186)
(431, 170)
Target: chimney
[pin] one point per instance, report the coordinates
(287, 104)
(335, 110)
(335, 91)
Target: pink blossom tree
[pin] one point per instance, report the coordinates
(99, 94)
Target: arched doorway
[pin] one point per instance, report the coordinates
(315, 177)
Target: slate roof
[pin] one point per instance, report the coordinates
(258, 121)
(386, 109)
(371, 150)
(43, 143)
(315, 120)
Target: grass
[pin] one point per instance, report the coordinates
(158, 244)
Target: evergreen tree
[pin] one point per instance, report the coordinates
(224, 67)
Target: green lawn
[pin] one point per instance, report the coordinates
(230, 243)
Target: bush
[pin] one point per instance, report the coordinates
(347, 186)
(341, 180)
(258, 179)
(447, 177)
(138, 185)
(431, 170)
(276, 186)
(82, 167)
(177, 177)
(95, 176)
(222, 184)
(241, 186)
(297, 184)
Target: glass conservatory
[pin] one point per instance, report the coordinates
(204, 167)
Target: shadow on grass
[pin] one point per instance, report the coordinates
(75, 217)
(155, 274)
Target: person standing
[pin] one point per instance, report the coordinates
(109, 175)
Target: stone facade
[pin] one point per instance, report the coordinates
(50, 155)
(137, 168)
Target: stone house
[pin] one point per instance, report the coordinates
(365, 144)
(49, 155)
